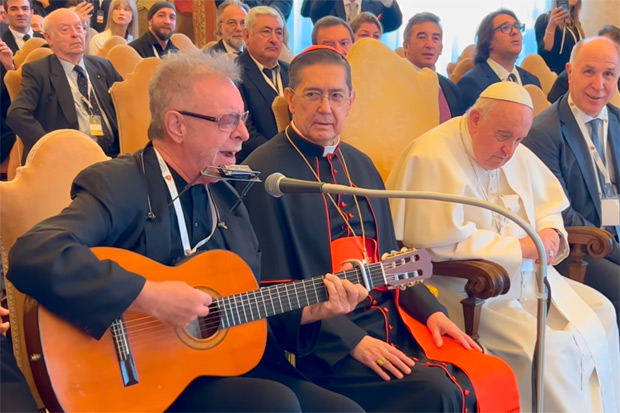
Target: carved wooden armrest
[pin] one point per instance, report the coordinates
(485, 279)
(595, 242)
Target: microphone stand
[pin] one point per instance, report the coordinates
(539, 351)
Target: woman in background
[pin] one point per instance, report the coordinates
(366, 24)
(557, 32)
(122, 21)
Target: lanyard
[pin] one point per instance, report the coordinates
(276, 86)
(178, 209)
(86, 101)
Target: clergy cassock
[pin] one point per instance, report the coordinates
(582, 368)
(295, 233)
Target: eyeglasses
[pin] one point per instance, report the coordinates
(226, 123)
(233, 23)
(506, 28)
(316, 97)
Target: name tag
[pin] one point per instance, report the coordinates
(96, 127)
(610, 211)
(100, 17)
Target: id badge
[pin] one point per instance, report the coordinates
(610, 211)
(99, 16)
(96, 127)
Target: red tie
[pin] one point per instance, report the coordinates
(444, 108)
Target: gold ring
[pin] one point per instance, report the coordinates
(381, 361)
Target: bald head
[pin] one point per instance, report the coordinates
(593, 73)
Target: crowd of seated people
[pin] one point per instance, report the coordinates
(355, 349)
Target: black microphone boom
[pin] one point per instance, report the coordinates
(277, 185)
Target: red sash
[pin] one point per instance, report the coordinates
(493, 380)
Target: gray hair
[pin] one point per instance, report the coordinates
(327, 22)
(250, 19)
(419, 19)
(132, 27)
(483, 105)
(174, 79)
(222, 7)
(365, 17)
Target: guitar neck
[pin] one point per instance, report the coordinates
(281, 298)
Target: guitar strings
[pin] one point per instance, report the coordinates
(229, 306)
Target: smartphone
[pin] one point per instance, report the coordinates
(562, 3)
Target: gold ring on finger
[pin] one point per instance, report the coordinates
(381, 361)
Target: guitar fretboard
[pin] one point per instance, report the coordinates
(281, 298)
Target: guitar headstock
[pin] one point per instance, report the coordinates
(405, 268)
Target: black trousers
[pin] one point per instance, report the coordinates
(253, 394)
(15, 395)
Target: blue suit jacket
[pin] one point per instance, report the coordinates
(557, 140)
(390, 17)
(258, 96)
(481, 76)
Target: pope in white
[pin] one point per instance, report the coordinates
(478, 155)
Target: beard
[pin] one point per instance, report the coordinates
(160, 35)
(235, 42)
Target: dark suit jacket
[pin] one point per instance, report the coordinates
(105, 6)
(45, 102)
(145, 43)
(9, 39)
(481, 76)
(557, 140)
(390, 17)
(258, 96)
(452, 94)
(218, 47)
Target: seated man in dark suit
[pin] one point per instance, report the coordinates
(423, 44)
(66, 89)
(162, 18)
(284, 6)
(387, 11)
(560, 86)
(572, 136)
(18, 13)
(500, 40)
(264, 76)
(230, 23)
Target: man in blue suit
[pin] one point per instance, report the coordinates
(578, 138)
(500, 40)
(264, 76)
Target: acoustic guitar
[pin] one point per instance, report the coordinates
(141, 364)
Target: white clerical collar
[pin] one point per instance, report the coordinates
(584, 118)
(327, 150)
(501, 72)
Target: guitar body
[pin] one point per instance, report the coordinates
(76, 373)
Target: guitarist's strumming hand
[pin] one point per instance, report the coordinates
(344, 296)
(382, 358)
(172, 302)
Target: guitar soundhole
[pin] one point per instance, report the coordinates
(205, 327)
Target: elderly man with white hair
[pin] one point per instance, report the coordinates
(478, 155)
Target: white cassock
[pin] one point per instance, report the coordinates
(582, 360)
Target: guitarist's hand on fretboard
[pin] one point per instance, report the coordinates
(172, 302)
(344, 296)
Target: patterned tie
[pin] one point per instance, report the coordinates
(272, 74)
(107, 140)
(26, 37)
(512, 78)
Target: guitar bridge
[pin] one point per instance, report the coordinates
(126, 362)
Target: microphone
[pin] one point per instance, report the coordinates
(277, 185)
